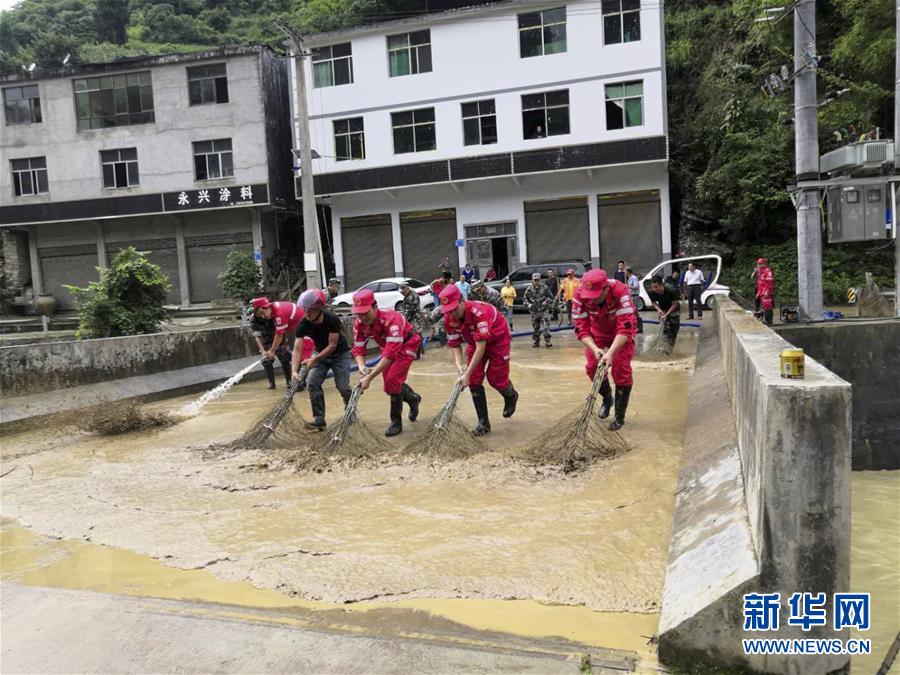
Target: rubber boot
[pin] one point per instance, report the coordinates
(270, 372)
(286, 369)
(479, 399)
(396, 415)
(547, 342)
(536, 343)
(412, 399)
(622, 396)
(510, 399)
(317, 403)
(607, 404)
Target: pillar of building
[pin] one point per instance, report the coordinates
(398, 242)
(256, 233)
(338, 247)
(183, 279)
(101, 244)
(594, 229)
(37, 279)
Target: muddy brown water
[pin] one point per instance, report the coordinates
(487, 543)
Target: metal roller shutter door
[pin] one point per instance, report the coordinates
(368, 249)
(630, 231)
(207, 256)
(557, 230)
(74, 265)
(427, 237)
(162, 252)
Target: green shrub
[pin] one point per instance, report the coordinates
(128, 299)
(242, 278)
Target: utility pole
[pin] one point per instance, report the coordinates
(806, 145)
(896, 165)
(311, 256)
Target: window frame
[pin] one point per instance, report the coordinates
(414, 53)
(128, 165)
(138, 88)
(34, 174)
(624, 98)
(415, 126)
(325, 56)
(547, 117)
(219, 84)
(481, 118)
(219, 154)
(620, 15)
(349, 135)
(13, 104)
(542, 27)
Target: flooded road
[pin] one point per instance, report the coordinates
(488, 543)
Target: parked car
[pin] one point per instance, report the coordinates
(712, 285)
(521, 277)
(387, 294)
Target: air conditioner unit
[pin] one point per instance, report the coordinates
(865, 156)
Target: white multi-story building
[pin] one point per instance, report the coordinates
(503, 134)
(185, 156)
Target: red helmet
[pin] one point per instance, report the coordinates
(363, 300)
(593, 283)
(761, 261)
(311, 299)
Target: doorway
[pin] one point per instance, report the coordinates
(492, 245)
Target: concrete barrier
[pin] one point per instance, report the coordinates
(764, 499)
(52, 366)
(866, 354)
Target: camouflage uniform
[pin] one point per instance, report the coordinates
(490, 296)
(539, 301)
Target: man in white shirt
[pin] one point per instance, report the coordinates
(693, 282)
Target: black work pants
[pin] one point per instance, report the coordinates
(693, 295)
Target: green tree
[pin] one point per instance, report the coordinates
(111, 17)
(242, 278)
(128, 299)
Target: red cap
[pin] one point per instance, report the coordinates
(363, 300)
(259, 303)
(570, 271)
(593, 283)
(760, 261)
(449, 298)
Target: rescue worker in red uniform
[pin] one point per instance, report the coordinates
(399, 344)
(606, 323)
(486, 334)
(286, 316)
(765, 289)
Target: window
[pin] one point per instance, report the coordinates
(479, 122)
(545, 114)
(29, 176)
(853, 196)
(22, 105)
(388, 287)
(624, 105)
(542, 32)
(415, 283)
(113, 100)
(874, 196)
(409, 53)
(349, 139)
(522, 274)
(621, 21)
(413, 130)
(207, 84)
(212, 159)
(371, 286)
(332, 65)
(120, 168)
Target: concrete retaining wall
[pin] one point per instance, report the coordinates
(788, 452)
(866, 354)
(36, 368)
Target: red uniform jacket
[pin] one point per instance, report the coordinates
(481, 323)
(616, 316)
(287, 316)
(390, 331)
(765, 283)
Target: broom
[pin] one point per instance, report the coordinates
(265, 426)
(445, 436)
(585, 439)
(659, 349)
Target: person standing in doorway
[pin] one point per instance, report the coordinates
(605, 324)
(488, 343)
(399, 345)
(569, 285)
(332, 352)
(469, 273)
(665, 302)
(491, 274)
(693, 282)
(508, 293)
(537, 300)
(620, 272)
